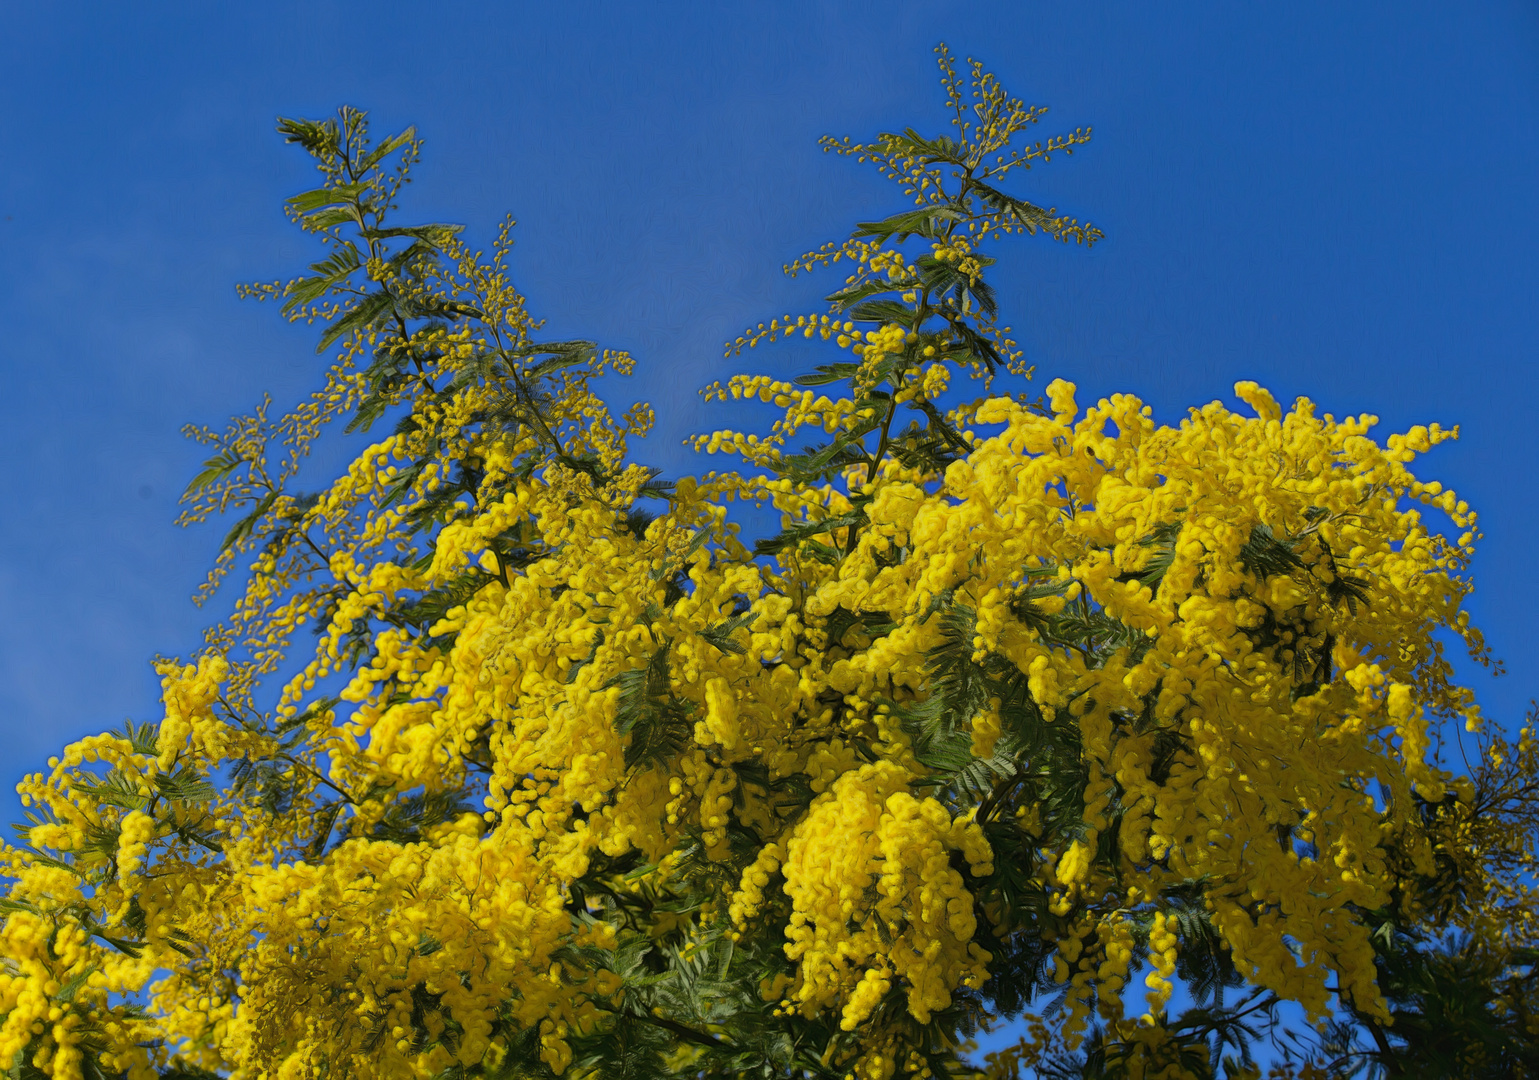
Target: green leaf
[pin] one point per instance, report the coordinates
(144, 738)
(215, 468)
(433, 605)
(828, 373)
(1267, 555)
(117, 789)
(939, 148)
(882, 311)
(366, 314)
(855, 293)
(977, 345)
(657, 724)
(325, 821)
(1163, 540)
(245, 525)
(309, 201)
(387, 147)
(929, 222)
(408, 817)
(184, 785)
(325, 275)
(329, 218)
(319, 138)
(720, 635)
(1029, 215)
(435, 236)
(806, 530)
(134, 949)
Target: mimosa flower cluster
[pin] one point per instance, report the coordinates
(1023, 696)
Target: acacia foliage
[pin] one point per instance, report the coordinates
(515, 760)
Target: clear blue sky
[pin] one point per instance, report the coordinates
(1336, 200)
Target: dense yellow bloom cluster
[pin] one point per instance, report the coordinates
(874, 898)
(1281, 607)
(1011, 686)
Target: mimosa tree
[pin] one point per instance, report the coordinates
(514, 759)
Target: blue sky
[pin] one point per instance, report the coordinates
(1334, 200)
